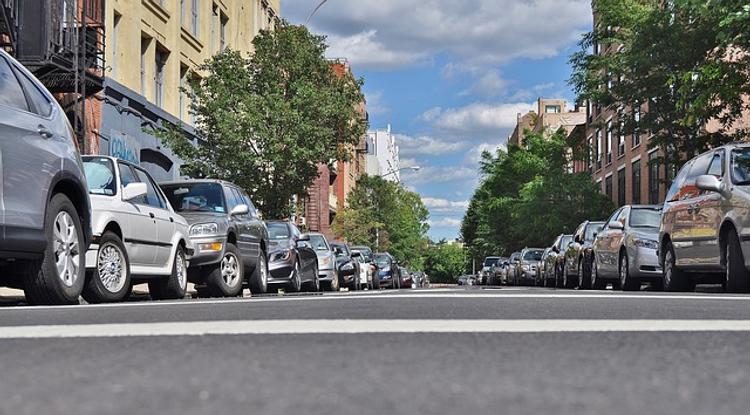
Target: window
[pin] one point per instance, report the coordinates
(161, 61)
(249, 203)
(591, 153)
(196, 23)
(608, 186)
(609, 142)
(552, 109)
(598, 149)
(183, 85)
(39, 103)
(674, 190)
(636, 182)
(636, 128)
(195, 197)
(183, 13)
(214, 18)
(11, 94)
(223, 33)
(621, 139)
(653, 178)
(127, 176)
(717, 165)
(621, 187)
(144, 52)
(115, 40)
(100, 176)
(153, 198)
(232, 198)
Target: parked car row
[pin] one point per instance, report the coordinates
(94, 226)
(701, 234)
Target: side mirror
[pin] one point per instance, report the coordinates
(616, 225)
(134, 190)
(304, 238)
(240, 210)
(709, 183)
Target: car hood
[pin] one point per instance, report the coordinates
(203, 217)
(280, 243)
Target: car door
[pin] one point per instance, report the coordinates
(140, 235)
(307, 255)
(603, 248)
(707, 217)
(163, 217)
(571, 255)
(32, 142)
(687, 235)
(249, 226)
(258, 231)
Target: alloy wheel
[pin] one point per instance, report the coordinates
(668, 268)
(263, 272)
(623, 270)
(66, 248)
(181, 270)
(230, 269)
(111, 267)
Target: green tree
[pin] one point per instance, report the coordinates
(265, 122)
(386, 216)
(444, 263)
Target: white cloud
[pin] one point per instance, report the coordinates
(457, 175)
(445, 223)
(480, 119)
(375, 104)
(445, 205)
(426, 146)
(490, 84)
(394, 33)
(431, 114)
(475, 154)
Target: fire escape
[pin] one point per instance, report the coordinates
(62, 43)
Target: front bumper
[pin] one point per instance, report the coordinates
(644, 263)
(326, 275)
(281, 271)
(205, 252)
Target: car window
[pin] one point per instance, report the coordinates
(153, 198)
(100, 176)
(41, 104)
(533, 255)
(741, 166)
(613, 217)
(195, 197)
(592, 230)
(278, 230)
(623, 216)
(674, 191)
(11, 93)
(645, 218)
(319, 243)
(382, 261)
(716, 168)
(127, 176)
(231, 197)
(249, 203)
(699, 168)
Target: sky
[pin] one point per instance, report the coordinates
(450, 76)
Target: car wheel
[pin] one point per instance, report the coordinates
(225, 280)
(376, 282)
(59, 277)
(259, 277)
(675, 279)
(110, 279)
(583, 279)
(175, 286)
(737, 280)
(568, 281)
(596, 282)
(295, 285)
(314, 285)
(626, 282)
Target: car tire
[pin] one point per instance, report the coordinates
(314, 285)
(568, 281)
(173, 287)
(627, 283)
(584, 279)
(110, 279)
(226, 279)
(43, 284)
(259, 278)
(295, 283)
(597, 283)
(376, 281)
(675, 279)
(737, 279)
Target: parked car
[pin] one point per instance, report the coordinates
(484, 274)
(557, 261)
(328, 273)
(406, 281)
(625, 249)
(527, 266)
(137, 236)
(45, 211)
(705, 228)
(230, 240)
(467, 280)
(365, 270)
(496, 271)
(545, 273)
(579, 256)
(347, 266)
(510, 273)
(292, 261)
(368, 268)
(388, 270)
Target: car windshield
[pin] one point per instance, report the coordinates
(490, 261)
(741, 166)
(100, 176)
(534, 255)
(318, 243)
(340, 249)
(645, 218)
(195, 197)
(278, 230)
(566, 240)
(592, 230)
(382, 261)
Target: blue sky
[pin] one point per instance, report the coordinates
(450, 77)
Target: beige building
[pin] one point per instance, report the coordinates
(152, 45)
(551, 115)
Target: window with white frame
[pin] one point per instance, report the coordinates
(608, 149)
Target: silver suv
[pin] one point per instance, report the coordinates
(705, 233)
(45, 210)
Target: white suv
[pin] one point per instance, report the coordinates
(137, 234)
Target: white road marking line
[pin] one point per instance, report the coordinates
(204, 328)
(387, 295)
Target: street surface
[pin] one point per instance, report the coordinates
(432, 351)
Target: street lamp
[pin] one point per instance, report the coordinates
(412, 168)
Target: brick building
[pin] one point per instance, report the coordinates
(551, 116)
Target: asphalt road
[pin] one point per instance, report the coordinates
(449, 351)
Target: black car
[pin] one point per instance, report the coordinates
(224, 226)
(348, 267)
(388, 270)
(291, 259)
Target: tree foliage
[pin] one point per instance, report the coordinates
(527, 197)
(266, 121)
(387, 217)
(444, 263)
(684, 62)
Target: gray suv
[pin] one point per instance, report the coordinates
(705, 228)
(45, 210)
(230, 239)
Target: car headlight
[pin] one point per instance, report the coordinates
(525, 267)
(646, 243)
(325, 262)
(204, 229)
(281, 255)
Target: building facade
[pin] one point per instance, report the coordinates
(551, 116)
(383, 155)
(152, 46)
